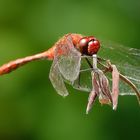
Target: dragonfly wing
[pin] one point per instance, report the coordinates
(133, 74)
(57, 80)
(84, 80)
(69, 60)
(127, 61)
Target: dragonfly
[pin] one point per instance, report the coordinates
(89, 65)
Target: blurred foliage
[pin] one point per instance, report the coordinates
(30, 109)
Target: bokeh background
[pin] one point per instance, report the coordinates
(30, 109)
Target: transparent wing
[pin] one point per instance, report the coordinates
(69, 61)
(84, 80)
(57, 80)
(127, 61)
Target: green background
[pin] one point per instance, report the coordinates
(30, 109)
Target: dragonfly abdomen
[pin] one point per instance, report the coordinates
(13, 65)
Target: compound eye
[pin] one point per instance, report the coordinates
(88, 45)
(93, 47)
(83, 45)
(83, 42)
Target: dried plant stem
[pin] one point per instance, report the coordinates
(125, 79)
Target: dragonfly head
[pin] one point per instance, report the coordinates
(88, 45)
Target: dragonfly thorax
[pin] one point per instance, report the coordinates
(88, 45)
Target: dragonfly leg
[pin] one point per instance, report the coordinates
(105, 68)
(100, 59)
(90, 65)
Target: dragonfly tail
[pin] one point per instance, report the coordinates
(13, 65)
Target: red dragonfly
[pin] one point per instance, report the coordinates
(75, 61)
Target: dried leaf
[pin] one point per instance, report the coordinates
(94, 92)
(91, 99)
(105, 89)
(115, 86)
